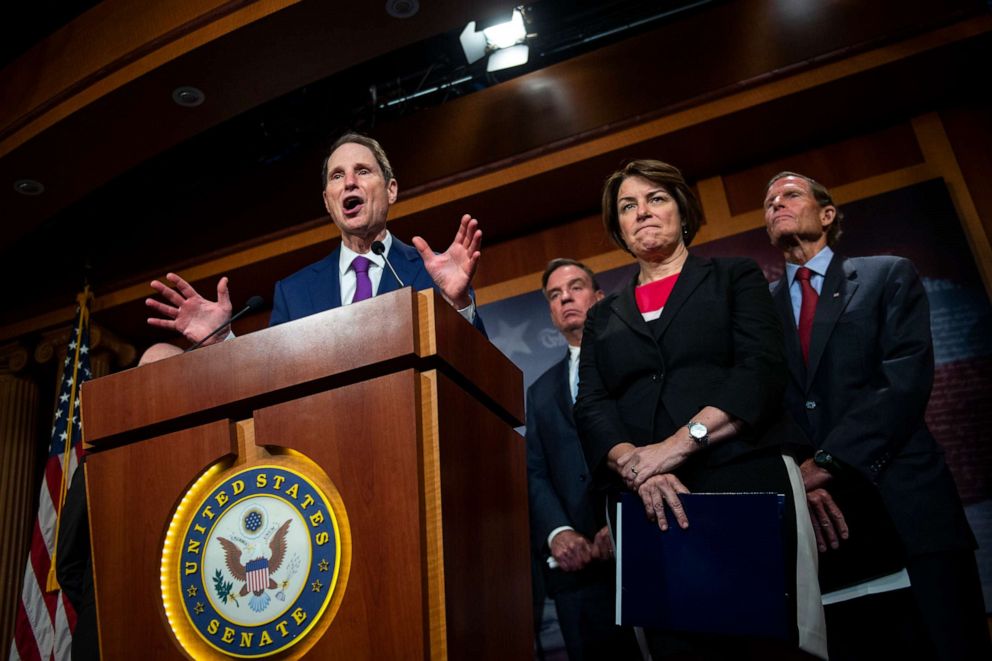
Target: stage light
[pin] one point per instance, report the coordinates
(507, 34)
(473, 43)
(505, 58)
(493, 40)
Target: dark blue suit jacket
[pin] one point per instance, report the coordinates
(864, 394)
(317, 287)
(558, 482)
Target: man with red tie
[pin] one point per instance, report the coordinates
(897, 564)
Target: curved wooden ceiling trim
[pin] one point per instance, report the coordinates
(544, 164)
(717, 228)
(712, 113)
(110, 45)
(241, 54)
(527, 166)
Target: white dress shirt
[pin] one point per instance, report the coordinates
(349, 281)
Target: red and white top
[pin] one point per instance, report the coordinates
(651, 298)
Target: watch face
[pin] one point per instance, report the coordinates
(698, 430)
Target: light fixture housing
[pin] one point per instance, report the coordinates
(402, 8)
(188, 97)
(507, 34)
(473, 43)
(29, 187)
(505, 58)
(493, 39)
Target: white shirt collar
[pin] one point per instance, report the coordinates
(348, 255)
(573, 353)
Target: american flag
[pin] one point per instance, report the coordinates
(45, 619)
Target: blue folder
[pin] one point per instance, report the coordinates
(723, 574)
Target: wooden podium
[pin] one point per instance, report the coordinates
(407, 409)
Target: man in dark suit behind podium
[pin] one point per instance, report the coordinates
(577, 553)
(359, 188)
(860, 356)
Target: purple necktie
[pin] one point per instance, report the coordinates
(363, 285)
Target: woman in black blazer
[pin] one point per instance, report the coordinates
(682, 373)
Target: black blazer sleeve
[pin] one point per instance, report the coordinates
(596, 413)
(755, 381)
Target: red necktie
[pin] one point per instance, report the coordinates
(806, 310)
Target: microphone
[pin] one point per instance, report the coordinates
(379, 249)
(254, 303)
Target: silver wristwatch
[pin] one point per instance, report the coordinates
(699, 433)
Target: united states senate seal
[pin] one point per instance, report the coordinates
(256, 562)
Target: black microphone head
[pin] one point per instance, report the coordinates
(378, 248)
(255, 303)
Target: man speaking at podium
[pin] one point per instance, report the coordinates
(359, 187)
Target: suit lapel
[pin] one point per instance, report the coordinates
(839, 285)
(325, 286)
(793, 352)
(625, 307)
(400, 260)
(405, 260)
(694, 271)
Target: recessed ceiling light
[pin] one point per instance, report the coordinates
(402, 8)
(29, 187)
(188, 97)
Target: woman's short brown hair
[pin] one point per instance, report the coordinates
(667, 176)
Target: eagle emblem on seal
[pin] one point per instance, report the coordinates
(253, 565)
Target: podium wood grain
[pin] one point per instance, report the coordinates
(410, 412)
(131, 494)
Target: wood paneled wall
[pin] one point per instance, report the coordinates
(854, 168)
